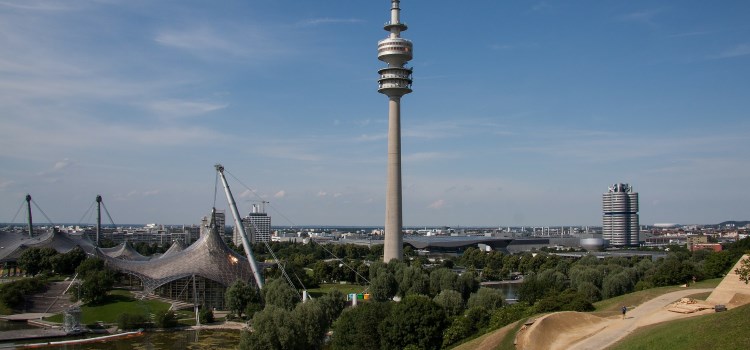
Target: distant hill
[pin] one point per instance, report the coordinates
(734, 223)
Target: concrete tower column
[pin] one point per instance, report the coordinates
(394, 240)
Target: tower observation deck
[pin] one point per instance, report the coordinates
(394, 82)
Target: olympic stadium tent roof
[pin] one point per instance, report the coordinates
(124, 251)
(209, 257)
(13, 244)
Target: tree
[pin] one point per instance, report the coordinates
(332, 303)
(36, 260)
(744, 270)
(411, 280)
(383, 287)
(313, 323)
(487, 298)
(67, 263)
(416, 320)
(617, 284)
(274, 328)
(451, 301)
(96, 279)
(442, 279)
(280, 294)
(357, 328)
(467, 284)
(238, 296)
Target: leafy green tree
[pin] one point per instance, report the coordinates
(67, 263)
(442, 279)
(96, 279)
(274, 328)
(617, 284)
(36, 260)
(460, 328)
(416, 320)
(412, 280)
(487, 298)
(383, 287)
(357, 328)
(451, 301)
(239, 295)
(590, 291)
(467, 283)
(313, 323)
(279, 293)
(333, 304)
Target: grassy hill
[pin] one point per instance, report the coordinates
(725, 330)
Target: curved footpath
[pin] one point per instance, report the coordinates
(650, 312)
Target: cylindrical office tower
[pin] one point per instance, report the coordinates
(620, 221)
(395, 81)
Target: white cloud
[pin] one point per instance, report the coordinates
(437, 204)
(222, 41)
(322, 194)
(326, 20)
(280, 194)
(178, 108)
(736, 51)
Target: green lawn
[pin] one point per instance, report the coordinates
(723, 330)
(612, 306)
(344, 288)
(118, 302)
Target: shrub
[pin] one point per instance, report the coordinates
(165, 319)
(131, 321)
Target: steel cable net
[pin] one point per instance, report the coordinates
(209, 257)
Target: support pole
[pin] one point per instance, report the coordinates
(28, 210)
(195, 304)
(98, 218)
(238, 226)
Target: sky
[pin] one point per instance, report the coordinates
(523, 112)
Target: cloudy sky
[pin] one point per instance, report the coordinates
(523, 112)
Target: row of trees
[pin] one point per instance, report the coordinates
(47, 260)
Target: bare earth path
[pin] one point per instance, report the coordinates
(650, 312)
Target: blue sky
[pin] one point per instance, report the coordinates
(523, 112)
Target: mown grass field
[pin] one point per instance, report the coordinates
(118, 302)
(723, 330)
(343, 288)
(612, 306)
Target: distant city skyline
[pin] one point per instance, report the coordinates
(522, 111)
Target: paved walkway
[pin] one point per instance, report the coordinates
(650, 312)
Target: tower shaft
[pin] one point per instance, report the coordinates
(393, 248)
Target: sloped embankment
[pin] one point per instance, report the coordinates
(559, 330)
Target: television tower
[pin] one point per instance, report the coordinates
(395, 81)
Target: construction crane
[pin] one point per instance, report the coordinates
(241, 228)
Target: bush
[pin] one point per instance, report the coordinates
(131, 321)
(165, 319)
(206, 315)
(509, 314)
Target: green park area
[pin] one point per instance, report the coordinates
(724, 330)
(117, 302)
(343, 288)
(611, 306)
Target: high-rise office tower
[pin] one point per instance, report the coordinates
(257, 225)
(620, 221)
(395, 81)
